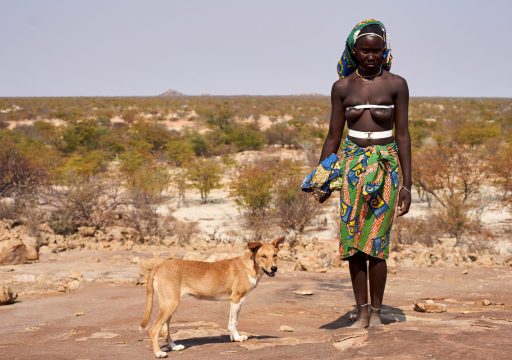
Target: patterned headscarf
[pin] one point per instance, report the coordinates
(348, 62)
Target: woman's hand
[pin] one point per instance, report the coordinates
(404, 201)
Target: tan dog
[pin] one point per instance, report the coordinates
(221, 280)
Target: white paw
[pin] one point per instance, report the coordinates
(238, 338)
(161, 354)
(175, 347)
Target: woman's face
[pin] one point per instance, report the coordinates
(369, 51)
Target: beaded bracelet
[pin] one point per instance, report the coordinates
(403, 187)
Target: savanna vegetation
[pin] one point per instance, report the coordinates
(103, 161)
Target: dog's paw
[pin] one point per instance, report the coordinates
(238, 338)
(161, 354)
(175, 347)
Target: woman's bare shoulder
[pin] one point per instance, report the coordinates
(340, 86)
(396, 80)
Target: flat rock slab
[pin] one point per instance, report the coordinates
(47, 326)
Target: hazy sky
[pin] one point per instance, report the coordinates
(122, 47)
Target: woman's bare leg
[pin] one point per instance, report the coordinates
(359, 277)
(378, 270)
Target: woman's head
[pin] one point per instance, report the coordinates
(367, 47)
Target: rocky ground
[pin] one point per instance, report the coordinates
(86, 304)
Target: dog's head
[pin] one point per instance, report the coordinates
(265, 254)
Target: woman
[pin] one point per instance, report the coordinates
(372, 101)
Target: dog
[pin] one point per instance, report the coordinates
(230, 279)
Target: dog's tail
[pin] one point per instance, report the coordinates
(149, 300)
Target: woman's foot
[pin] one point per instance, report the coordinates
(375, 319)
(363, 317)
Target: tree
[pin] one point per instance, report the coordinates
(179, 151)
(204, 175)
(21, 171)
(500, 166)
(252, 187)
(453, 179)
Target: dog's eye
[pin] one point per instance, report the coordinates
(275, 255)
(264, 256)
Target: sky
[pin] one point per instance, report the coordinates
(235, 47)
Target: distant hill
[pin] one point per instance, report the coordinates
(171, 92)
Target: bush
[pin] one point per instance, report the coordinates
(281, 134)
(179, 151)
(137, 154)
(412, 231)
(204, 175)
(91, 202)
(19, 175)
(199, 143)
(244, 137)
(152, 133)
(81, 136)
(451, 176)
(294, 208)
(252, 187)
(500, 166)
(221, 117)
(81, 167)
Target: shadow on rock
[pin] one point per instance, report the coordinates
(198, 341)
(389, 315)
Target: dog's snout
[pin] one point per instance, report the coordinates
(273, 268)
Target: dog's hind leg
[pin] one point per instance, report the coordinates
(172, 345)
(168, 299)
(236, 304)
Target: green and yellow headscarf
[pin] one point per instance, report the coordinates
(348, 62)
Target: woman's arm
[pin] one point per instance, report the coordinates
(403, 140)
(336, 123)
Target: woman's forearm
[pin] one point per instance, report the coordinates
(331, 145)
(404, 155)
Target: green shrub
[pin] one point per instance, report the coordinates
(204, 175)
(81, 136)
(179, 151)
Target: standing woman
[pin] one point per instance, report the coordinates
(371, 101)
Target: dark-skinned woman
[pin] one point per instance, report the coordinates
(372, 102)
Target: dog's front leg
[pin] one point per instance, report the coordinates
(233, 319)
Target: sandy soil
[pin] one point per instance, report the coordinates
(99, 320)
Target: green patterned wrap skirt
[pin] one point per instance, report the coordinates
(367, 178)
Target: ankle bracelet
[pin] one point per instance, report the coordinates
(363, 305)
(375, 309)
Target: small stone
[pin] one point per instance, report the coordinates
(80, 313)
(303, 292)
(429, 307)
(86, 231)
(45, 250)
(135, 260)
(299, 267)
(76, 275)
(486, 302)
(465, 272)
(7, 296)
(62, 288)
(32, 328)
(286, 328)
(73, 284)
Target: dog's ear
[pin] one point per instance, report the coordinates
(277, 243)
(254, 245)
